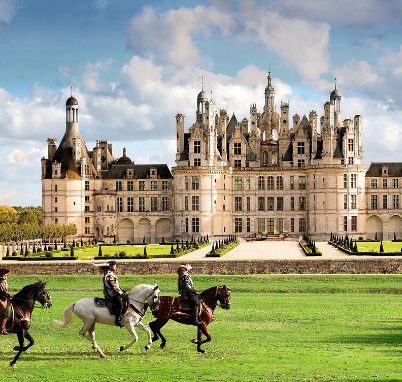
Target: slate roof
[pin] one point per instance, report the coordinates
(394, 169)
(141, 171)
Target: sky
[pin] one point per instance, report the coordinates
(133, 65)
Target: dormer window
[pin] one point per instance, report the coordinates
(153, 173)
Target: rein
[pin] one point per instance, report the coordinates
(141, 313)
(22, 299)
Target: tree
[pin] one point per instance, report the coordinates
(381, 247)
(72, 251)
(8, 214)
(100, 251)
(145, 251)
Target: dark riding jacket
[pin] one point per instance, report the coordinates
(4, 295)
(111, 288)
(186, 288)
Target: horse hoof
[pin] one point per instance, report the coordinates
(12, 365)
(194, 341)
(16, 348)
(201, 350)
(162, 346)
(121, 348)
(102, 355)
(147, 348)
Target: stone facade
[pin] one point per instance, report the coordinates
(262, 176)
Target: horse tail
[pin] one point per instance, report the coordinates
(67, 316)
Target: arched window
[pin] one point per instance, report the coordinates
(98, 208)
(279, 183)
(261, 183)
(265, 158)
(270, 183)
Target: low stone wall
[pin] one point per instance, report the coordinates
(309, 266)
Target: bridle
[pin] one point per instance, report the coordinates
(218, 293)
(143, 303)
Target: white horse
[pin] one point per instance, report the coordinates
(139, 298)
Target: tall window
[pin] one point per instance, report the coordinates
(165, 185)
(141, 185)
(238, 225)
(154, 185)
(301, 163)
(353, 223)
(186, 225)
(279, 183)
(353, 202)
(261, 183)
(395, 183)
(292, 203)
(195, 182)
(141, 203)
(261, 225)
(186, 203)
(353, 179)
(195, 225)
(261, 203)
(385, 183)
(350, 145)
(292, 224)
(130, 185)
(238, 203)
(302, 182)
(165, 203)
(395, 202)
(374, 202)
(197, 162)
(270, 183)
(279, 203)
(345, 223)
(154, 203)
(302, 203)
(302, 224)
(248, 204)
(119, 204)
(300, 148)
(292, 182)
(345, 180)
(197, 147)
(237, 163)
(248, 225)
(186, 182)
(195, 203)
(119, 186)
(86, 186)
(247, 183)
(237, 148)
(270, 203)
(373, 183)
(130, 204)
(238, 183)
(345, 202)
(385, 202)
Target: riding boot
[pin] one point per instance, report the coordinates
(196, 313)
(3, 323)
(119, 317)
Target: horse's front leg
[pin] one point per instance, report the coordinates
(202, 329)
(31, 341)
(146, 330)
(131, 329)
(20, 348)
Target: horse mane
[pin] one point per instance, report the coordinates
(206, 291)
(26, 288)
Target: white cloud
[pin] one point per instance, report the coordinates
(8, 8)
(357, 74)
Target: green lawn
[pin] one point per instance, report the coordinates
(374, 246)
(280, 328)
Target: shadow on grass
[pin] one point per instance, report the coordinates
(393, 339)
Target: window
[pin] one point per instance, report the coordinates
(345, 202)
(248, 225)
(195, 203)
(350, 145)
(261, 183)
(248, 204)
(154, 185)
(395, 202)
(385, 202)
(353, 179)
(374, 202)
(237, 163)
(195, 182)
(87, 230)
(261, 225)
(130, 204)
(353, 202)
(270, 183)
(238, 225)
(345, 223)
(373, 183)
(197, 147)
(279, 203)
(141, 204)
(119, 186)
(197, 162)
(86, 208)
(292, 182)
(394, 183)
(302, 224)
(86, 186)
(55, 199)
(238, 183)
(279, 225)
(302, 203)
(292, 224)
(87, 219)
(345, 180)
(238, 203)
(261, 203)
(186, 224)
(237, 148)
(353, 223)
(301, 163)
(98, 208)
(55, 209)
(384, 183)
(195, 225)
(302, 182)
(270, 203)
(186, 203)
(186, 182)
(86, 199)
(247, 183)
(279, 183)
(350, 160)
(119, 204)
(292, 203)
(300, 148)
(165, 203)
(55, 187)
(141, 185)
(130, 185)
(154, 203)
(165, 185)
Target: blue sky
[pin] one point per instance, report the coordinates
(134, 65)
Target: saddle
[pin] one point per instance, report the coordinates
(185, 305)
(112, 306)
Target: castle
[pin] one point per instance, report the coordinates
(263, 176)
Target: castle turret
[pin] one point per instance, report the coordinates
(335, 99)
(269, 95)
(202, 99)
(180, 135)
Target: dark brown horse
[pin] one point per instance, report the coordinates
(170, 309)
(22, 306)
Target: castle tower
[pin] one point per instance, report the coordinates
(269, 106)
(335, 99)
(180, 135)
(202, 99)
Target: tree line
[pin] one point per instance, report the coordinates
(26, 223)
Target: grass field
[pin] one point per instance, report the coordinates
(374, 246)
(280, 328)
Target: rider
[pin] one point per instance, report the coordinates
(187, 291)
(111, 289)
(5, 300)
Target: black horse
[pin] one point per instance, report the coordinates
(22, 306)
